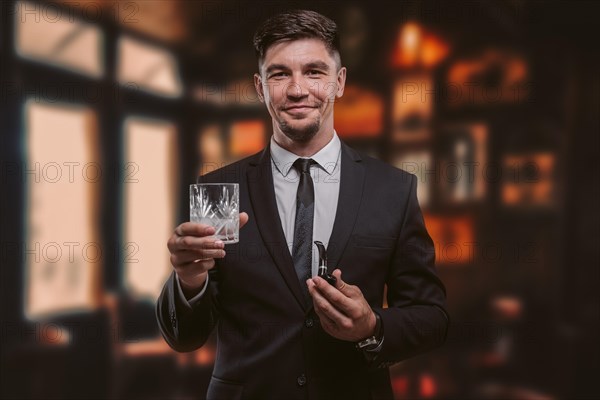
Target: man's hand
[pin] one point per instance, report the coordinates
(193, 252)
(343, 310)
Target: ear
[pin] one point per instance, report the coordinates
(259, 88)
(341, 82)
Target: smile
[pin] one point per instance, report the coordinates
(298, 109)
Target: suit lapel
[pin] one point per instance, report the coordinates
(264, 204)
(352, 178)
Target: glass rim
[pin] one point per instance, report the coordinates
(213, 184)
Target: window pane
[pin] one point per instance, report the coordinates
(45, 33)
(147, 67)
(62, 255)
(150, 203)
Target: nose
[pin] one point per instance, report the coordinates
(297, 88)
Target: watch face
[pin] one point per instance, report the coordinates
(367, 342)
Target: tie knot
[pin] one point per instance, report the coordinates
(303, 164)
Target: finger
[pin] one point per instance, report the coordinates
(194, 268)
(180, 243)
(243, 219)
(325, 308)
(342, 286)
(213, 253)
(194, 229)
(187, 256)
(197, 243)
(182, 258)
(334, 296)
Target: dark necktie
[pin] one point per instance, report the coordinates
(303, 227)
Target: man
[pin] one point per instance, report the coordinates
(283, 332)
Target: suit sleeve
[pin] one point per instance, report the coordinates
(191, 301)
(187, 325)
(416, 319)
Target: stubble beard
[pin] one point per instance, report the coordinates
(303, 135)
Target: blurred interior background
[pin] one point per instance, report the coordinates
(112, 108)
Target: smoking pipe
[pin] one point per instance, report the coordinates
(322, 271)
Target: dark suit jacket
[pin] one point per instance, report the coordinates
(270, 342)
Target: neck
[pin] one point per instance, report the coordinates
(303, 149)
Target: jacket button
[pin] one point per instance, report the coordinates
(173, 319)
(309, 323)
(301, 380)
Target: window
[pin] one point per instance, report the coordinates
(62, 252)
(151, 182)
(148, 67)
(43, 32)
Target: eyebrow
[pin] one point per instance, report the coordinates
(310, 65)
(318, 65)
(275, 67)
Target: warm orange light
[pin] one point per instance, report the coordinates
(508, 306)
(528, 179)
(246, 138)
(418, 48)
(400, 386)
(453, 238)
(407, 53)
(359, 113)
(205, 356)
(508, 70)
(410, 37)
(145, 348)
(210, 145)
(412, 107)
(427, 386)
(433, 51)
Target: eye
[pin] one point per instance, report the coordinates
(279, 75)
(314, 72)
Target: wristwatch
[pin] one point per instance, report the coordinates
(372, 341)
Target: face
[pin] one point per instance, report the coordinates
(299, 81)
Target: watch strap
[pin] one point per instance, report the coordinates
(374, 340)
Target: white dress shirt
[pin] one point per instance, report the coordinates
(326, 181)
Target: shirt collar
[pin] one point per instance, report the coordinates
(327, 158)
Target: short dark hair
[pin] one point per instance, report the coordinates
(297, 24)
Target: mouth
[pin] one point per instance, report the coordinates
(298, 109)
